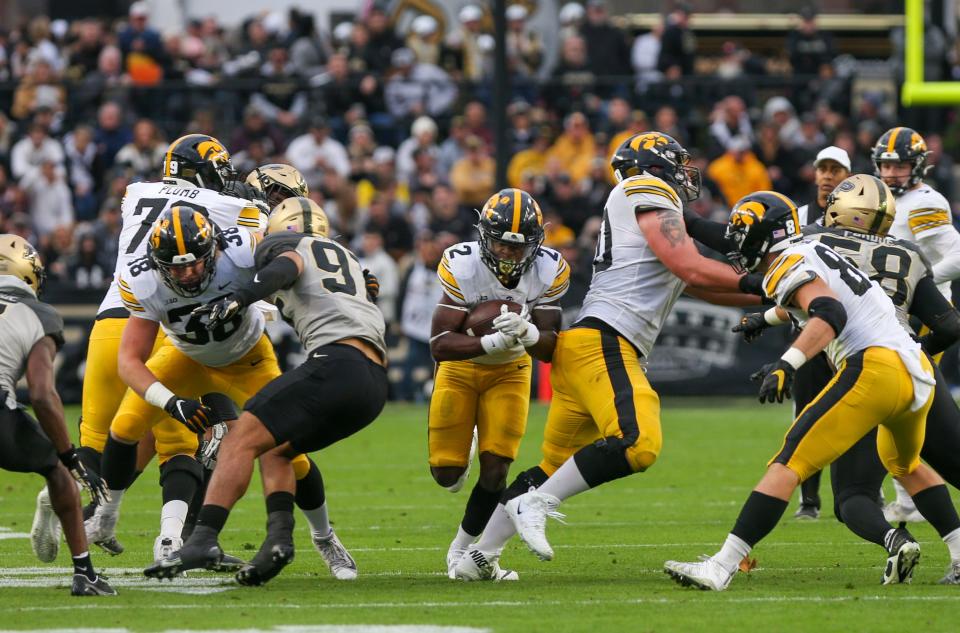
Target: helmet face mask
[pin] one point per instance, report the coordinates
(861, 203)
(201, 160)
(278, 182)
(18, 258)
(760, 223)
(511, 232)
(181, 239)
(902, 145)
(661, 156)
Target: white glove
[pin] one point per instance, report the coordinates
(210, 448)
(497, 342)
(517, 325)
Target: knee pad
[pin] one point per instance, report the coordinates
(301, 466)
(531, 478)
(640, 459)
(181, 464)
(221, 405)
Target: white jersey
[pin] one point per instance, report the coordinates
(467, 281)
(631, 290)
(146, 296)
(871, 317)
(142, 204)
(923, 216)
(23, 321)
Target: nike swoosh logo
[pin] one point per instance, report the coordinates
(521, 366)
(519, 506)
(256, 362)
(256, 278)
(319, 356)
(223, 286)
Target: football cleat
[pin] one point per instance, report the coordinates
(165, 546)
(953, 574)
(708, 574)
(206, 555)
(458, 484)
(100, 531)
(475, 565)
(336, 556)
(904, 554)
(83, 586)
(273, 556)
(897, 512)
(454, 554)
(529, 513)
(46, 530)
(807, 513)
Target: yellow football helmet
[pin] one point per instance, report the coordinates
(861, 203)
(278, 182)
(18, 258)
(300, 215)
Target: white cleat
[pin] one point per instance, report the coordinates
(336, 556)
(46, 530)
(708, 574)
(165, 546)
(475, 565)
(952, 576)
(529, 514)
(458, 484)
(897, 512)
(454, 554)
(100, 529)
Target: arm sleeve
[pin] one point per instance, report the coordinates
(944, 247)
(708, 232)
(272, 246)
(279, 274)
(934, 311)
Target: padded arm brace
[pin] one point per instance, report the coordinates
(829, 310)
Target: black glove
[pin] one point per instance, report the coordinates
(777, 381)
(752, 284)
(373, 285)
(220, 311)
(751, 326)
(191, 413)
(90, 480)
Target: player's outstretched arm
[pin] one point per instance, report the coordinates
(668, 239)
(446, 341)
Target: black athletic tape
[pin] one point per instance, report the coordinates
(829, 310)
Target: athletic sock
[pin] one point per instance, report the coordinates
(810, 490)
(462, 540)
(759, 515)
(480, 506)
(499, 530)
(733, 551)
(952, 541)
(212, 517)
(113, 506)
(567, 481)
(172, 517)
(936, 507)
(318, 520)
(865, 518)
(310, 493)
(83, 565)
(119, 463)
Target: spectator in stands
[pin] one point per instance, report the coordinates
(423, 136)
(316, 153)
(425, 176)
(383, 41)
(573, 84)
(779, 112)
(678, 45)
(112, 134)
(84, 53)
(84, 268)
(635, 123)
(447, 214)
(941, 175)
(607, 49)
(563, 198)
(781, 162)
(40, 88)
(8, 133)
(809, 139)
(360, 148)
(574, 148)
(473, 176)
(255, 127)
(531, 162)
(12, 198)
(109, 82)
(382, 177)
(107, 229)
(55, 247)
(308, 51)
(807, 47)
(374, 258)
(452, 148)
(380, 218)
(82, 171)
(730, 119)
(424, 39)
(666, 120)
(142, 46)
(831, 167)
(280, 98)
(738, 172)
(34, 149)
(571, 19)
(415, 89)
(598, 184)
(645, 55)
(466, 40)
(51, 206)
(143, 156)
(524, 46)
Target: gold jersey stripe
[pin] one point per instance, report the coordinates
(778, 270)
(657, 190)
(446, 276)
(921, 220)
(455, 292)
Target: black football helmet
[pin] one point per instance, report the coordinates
(763, 222)
(661, 156)
(182, 236)
(513, 217)
(902, 145)
(199, 159)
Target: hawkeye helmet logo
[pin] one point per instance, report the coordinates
(648, 140)
(747, 214)
(917, 143)
(213, 152)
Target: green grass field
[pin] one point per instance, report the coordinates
(606, 575)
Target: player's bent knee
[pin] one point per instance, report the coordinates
(446, 476)
(553, 457)
(183, 464)
(640, 459)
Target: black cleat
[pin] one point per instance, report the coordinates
(807, 512)
(275, 554)
(83, 586)
(229, 564)
(190, 556)
(903, 555)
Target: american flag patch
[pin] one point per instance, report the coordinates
(777, 233)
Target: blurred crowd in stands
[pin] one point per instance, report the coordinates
(391, 125)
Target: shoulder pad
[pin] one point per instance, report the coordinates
(458, 263)
(650, 191)
(134, 289)
(554, 273)
(239, 247)
(50, 319)
(274, 245)
(781, 280)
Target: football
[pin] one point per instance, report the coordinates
(479, 321)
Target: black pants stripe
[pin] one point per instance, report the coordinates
(812, 378)
(622, 388)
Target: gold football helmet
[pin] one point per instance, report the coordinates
(278, 182)
(861, 203)
(300, 215)
(18, 258)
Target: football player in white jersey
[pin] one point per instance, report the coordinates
(482, 384)
(30, 334)
(604, 419)
(883, 380)
(923, 217)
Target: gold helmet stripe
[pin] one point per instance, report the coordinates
(881, 208)
(516, 211)
(893, 139)
(307, 215)
(166, 160)
(178, 232)
(793, 209)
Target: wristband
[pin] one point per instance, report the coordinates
(794, 357)
(68, 456)
(158, 395)
(492, 343)
(772, 318)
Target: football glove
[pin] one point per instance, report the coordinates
(751, 326)
(220, 311)
(517, 325)
(373, 285)
(776, 381)
(191, 413)
(90, 480)
(210, 448)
